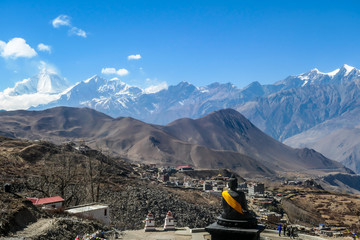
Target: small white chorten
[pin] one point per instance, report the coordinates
(149, 223)
(169, 222)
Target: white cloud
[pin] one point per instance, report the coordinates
(44, 48)
(108, 70)
(156, 88)
(25, 101)
(120, 72)
(61, 20)
(47, 67)
(2, 45)
(77, 31)
(134, 57)
(64, 20)
(15, 48)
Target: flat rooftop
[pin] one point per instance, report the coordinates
(86, 208)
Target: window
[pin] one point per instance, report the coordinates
(105, 212)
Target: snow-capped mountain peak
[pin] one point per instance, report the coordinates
(42, 88)
(315, 73)
(93, 78)
(347, 69)
(315, 77)
(46, 82)
(315, 70)
(49, 81)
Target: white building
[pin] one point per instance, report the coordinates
(256, 189)
(96, 211)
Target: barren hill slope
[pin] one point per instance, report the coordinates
(125, 137)
(229, 130)
(223, 139)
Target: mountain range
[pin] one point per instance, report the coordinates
(226, 139)
(305, 110)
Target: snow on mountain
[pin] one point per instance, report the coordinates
(333, 73)
(43, 88)
(348, 69)
(97, 89)
(108, 96)
(156, 88)
(162, 104)
(315, 77)
(315, 73)
(46, 81)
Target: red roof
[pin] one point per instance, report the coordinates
(40, 201)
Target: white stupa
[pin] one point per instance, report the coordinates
(149, 223)
(169, 222)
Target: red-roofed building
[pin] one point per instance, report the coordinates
(184, 168)
(54, 202)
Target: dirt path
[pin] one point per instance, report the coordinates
(37, 228)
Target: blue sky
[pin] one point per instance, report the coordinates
(196, 41)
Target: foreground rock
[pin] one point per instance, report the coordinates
(16, 213)
(189, 207)
(60, 228)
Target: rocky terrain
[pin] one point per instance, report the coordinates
(344, 183)
(16, 213)
(311, 206)
(222, 139)
(189, 207)
(42, 169)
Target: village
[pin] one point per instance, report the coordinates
(264, 203)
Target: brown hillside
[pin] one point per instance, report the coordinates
(229, 130)
(223, 139)
(125, 137)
